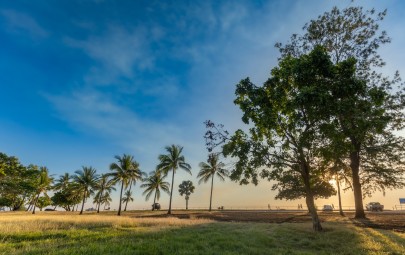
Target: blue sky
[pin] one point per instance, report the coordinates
(82, 81)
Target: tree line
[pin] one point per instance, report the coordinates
(26, 187)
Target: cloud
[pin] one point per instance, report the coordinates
(21, 23)
(116, 53)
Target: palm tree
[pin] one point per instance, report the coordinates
(85, 181)
(44, 183)
(171, 162)
(62, 183)
(186, 188)
(209, 169)
(136, 175)
(103, 185)
(154, 183)
(123, 172)
(127, 198)
(106, 200)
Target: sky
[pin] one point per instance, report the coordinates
(82, 81)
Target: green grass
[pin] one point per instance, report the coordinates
(106, 234)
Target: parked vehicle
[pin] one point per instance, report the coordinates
(374, 206)
(91, 209)
(156, 206)
(327, 208)
(50, 209)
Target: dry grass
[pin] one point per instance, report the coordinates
(16, 222)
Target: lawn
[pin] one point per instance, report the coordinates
(68, 233)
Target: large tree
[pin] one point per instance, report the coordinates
(365, 128)
(85, 180)
(17, 182)
(211, 168)
(171, 162)
(283, 143)
(123, 172)
(186, 188)
(153, 184)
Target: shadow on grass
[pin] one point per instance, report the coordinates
(208, 238)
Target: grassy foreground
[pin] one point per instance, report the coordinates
(63, 233)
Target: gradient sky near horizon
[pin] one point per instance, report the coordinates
(82, 81)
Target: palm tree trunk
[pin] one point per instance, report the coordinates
(84, 198)
(339, 196)
(212, 185)
(126, 202)
(171, 193)
(119, 207)
(35, 202)
(154, 201)
(99, 202)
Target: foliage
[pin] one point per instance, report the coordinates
(43, 201)
(103, 186)
(364, 111)
(17, 182)
(171, 162)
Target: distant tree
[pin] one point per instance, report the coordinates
(136, 175)
(210, 169)
(186, 188)
(363, 112)
(153, 184)
(43, 201)
(62, 183)
(123, 172)
(171, 162)
(85, 180)
(43, 184)
(103, 185)
(127, 198)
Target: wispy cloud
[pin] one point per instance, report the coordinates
(21, 23)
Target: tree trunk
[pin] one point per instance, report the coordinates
(309, 198)
(99, 202)
(212, 185)
(171, 193)
(126, 202)
(119, 207)
(187, 202)
(358, 197)
(35, 202)
(84, 198)
(154, 201)
(339, 197)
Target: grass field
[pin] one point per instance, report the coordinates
(67, 233)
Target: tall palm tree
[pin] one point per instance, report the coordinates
(171, 162)
(123, 172)
(86, 181)
(44, 183)
(210, 169)
(106, 200)
(154, 183)
(186, 188)
(127, 198)
(104, 184)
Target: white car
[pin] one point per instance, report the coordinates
(327, 208)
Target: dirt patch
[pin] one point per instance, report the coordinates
(383, 220)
